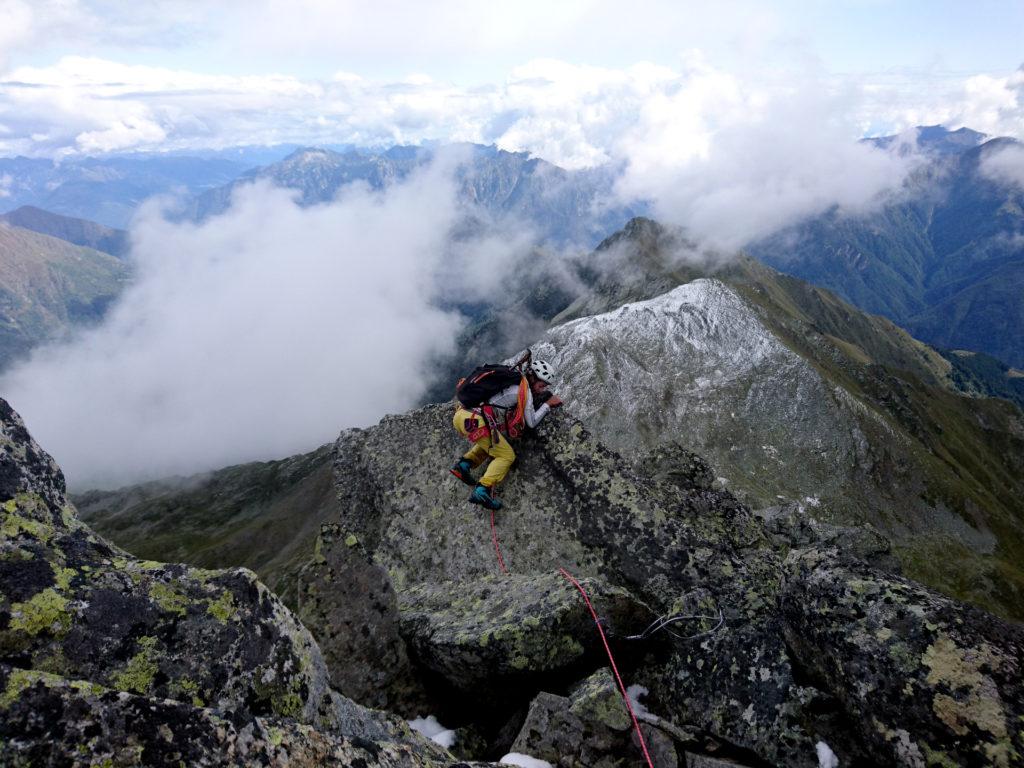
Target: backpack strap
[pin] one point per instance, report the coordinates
(514, 426)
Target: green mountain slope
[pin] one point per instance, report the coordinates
(944, 258)
(77, 231)
(48, 286)
(262, 515)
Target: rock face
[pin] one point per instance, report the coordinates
(793, 396)
(934, 682)
(141, 661)
(145, 663)
(747, 689)
(697, 364)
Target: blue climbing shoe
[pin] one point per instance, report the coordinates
(463, 470)
(482, 495)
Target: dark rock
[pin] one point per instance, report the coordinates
(591, 727)
(126, 655)
(25, 468)
(49, 720)
(707, 761)
(514, 626)
(570, 502)
(350, 606)
(793, 526)
(928, 680)
(676, 466)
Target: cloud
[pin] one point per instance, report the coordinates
(730, 157)
(260, 333)
(1005, 164)
(733, 161)
(729, 154)
(16, 26)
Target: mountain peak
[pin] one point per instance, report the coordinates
(933, 139)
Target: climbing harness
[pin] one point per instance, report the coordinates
(611, 659)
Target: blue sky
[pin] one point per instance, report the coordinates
(473, 43)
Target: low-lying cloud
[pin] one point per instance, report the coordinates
(1005, 164)
(260, 333)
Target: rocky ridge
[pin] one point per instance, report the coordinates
(150, 663)
(106, 659)
(753, 689)
(796, 397)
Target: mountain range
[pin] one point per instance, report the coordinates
(748, 644)
(944, 258)
(563, 207)
(75, 231)
(108, 190)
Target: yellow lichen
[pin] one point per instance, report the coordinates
(223, 608)
(19, 680)
(138, 674)
(168, 598)
(46, 610)
(975, 700)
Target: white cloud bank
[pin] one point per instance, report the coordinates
(572, 115)
(728, 156)
(732, 162)
(257, 335)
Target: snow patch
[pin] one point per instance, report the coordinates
(525, 761)
(826, 757)
(433, 730)
(635, 692)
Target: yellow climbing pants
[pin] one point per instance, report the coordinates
(501, 452)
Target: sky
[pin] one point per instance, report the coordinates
(561, 80)
(262, 332)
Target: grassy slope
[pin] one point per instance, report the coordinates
(48, 285)
(968, 451)
(264, 516)
(88, 234)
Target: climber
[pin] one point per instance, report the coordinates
(512, 394)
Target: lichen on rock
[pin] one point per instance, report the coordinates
(141, 647)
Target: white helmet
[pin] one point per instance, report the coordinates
(543, 370)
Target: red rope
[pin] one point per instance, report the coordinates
(494, 537)
(615, 669)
